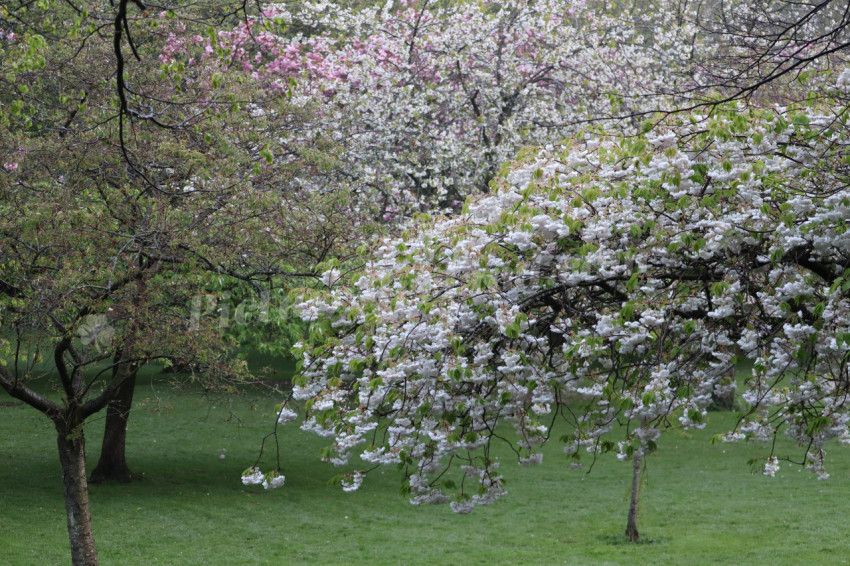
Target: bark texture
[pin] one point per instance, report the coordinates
(72, 456)
(112, 464)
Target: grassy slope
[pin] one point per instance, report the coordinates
(700, 503)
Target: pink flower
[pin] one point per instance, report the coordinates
(13, 166)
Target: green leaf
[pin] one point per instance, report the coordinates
(800, 120)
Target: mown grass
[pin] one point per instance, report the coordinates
(700, 505)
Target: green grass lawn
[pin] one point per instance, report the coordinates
(700, 505)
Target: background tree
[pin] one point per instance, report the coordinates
(778, 44)
(427, 99)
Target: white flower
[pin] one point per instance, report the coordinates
(252, 476)
(330, 277)
(842, 83)
(771, 466)
(286, 415)
(351, 482)
(532, 460)
(273, 481)
(462, 507)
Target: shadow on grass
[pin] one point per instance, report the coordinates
(623, 540)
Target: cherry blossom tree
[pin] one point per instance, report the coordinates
(427, 100)
(609, 283)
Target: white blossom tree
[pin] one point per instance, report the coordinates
(609, 283)
(426, 100)
(780, 43)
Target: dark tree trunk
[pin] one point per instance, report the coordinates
(631, 523)
(723, 396)
(72, 456)
(112, 464)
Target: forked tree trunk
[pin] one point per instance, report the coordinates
(72, 456)
(631, 523)
(112, 464)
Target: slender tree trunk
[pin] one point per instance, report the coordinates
(113, 462)
(631, 523)
(72, 456)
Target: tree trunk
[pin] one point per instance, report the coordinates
(112, 464)
(72, 456)
(723, 396)
(631, 524)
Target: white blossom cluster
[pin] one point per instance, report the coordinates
(271, 480)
